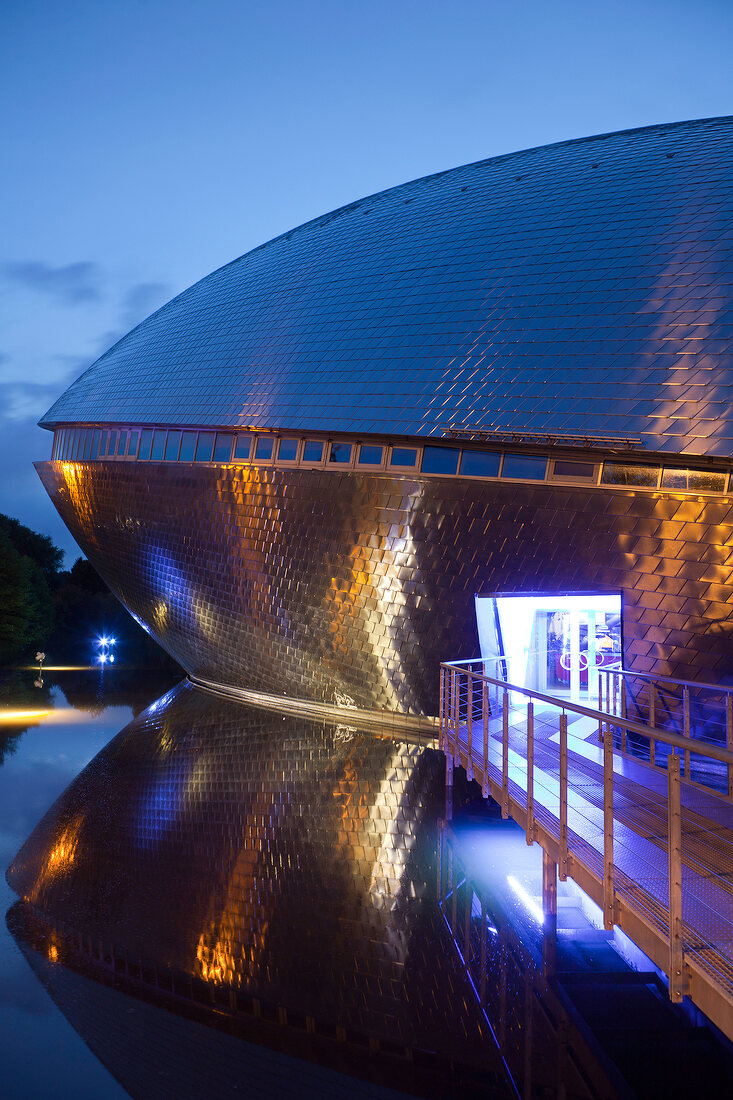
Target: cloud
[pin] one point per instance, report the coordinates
(69, 285)
(140, 300)
(22, 398)
(21, 492)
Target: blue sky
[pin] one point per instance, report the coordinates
(147, 142)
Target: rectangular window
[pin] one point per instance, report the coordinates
(172, 445)
(694, 481)
(87, 443)
(440, 460)
(480, 464)
(403, 456)
(158, 444)
(122, 443)
(370, 454)
(95, 442)
(524, 467)
(132, 443)
(242, 447)
(581, 471)
(188, 447)
(146, 442)
(263, 448)
(205, 447)
(287, 450)
(313, 450)
(617, 473)
(340, 452)
(78, 443)
(223, 448)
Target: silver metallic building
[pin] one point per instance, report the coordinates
(514, 376)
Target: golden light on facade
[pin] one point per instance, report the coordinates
(59, 860)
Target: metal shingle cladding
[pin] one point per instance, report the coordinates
(579, 287)
(354, 587)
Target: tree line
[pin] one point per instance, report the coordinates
(45, 607)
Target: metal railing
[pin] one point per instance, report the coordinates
(536, 792)
(699, 712)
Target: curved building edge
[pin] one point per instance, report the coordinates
(349, 588)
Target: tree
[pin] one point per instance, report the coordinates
(26, 608)
(39, 548)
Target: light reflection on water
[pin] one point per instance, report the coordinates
(40, 1053)
(274, 883)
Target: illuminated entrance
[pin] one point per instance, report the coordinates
(555, 643)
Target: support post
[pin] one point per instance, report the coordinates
(467, 926)
(600, 705)
(441, 710)
(454, 709)
(677, 982)
(530, 826)
(623, 714)
(549, 908)
(609, 906)
(469, 726)
(448, 786)
(686, 726)
(485, 710)
(482, 974)
(563, 840)
(528, 1035)
(505, 756)
(729, 738)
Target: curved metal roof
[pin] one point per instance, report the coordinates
(576, 288)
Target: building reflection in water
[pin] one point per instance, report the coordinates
(272, 877)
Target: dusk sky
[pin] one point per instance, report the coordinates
(147, 142)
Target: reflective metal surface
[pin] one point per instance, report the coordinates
(576, 288)
(351, 588)
(269, 872)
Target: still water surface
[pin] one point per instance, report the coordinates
(224, 901)
(40, 1053)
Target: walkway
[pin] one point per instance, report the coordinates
(609, 821)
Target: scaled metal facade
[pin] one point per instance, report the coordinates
(351, 588)
(579, 289)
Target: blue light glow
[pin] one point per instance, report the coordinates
(529, 903)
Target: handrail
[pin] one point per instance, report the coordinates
(617, 670)
(723, 689)
(700, 748)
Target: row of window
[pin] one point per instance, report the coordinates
(177, 445)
